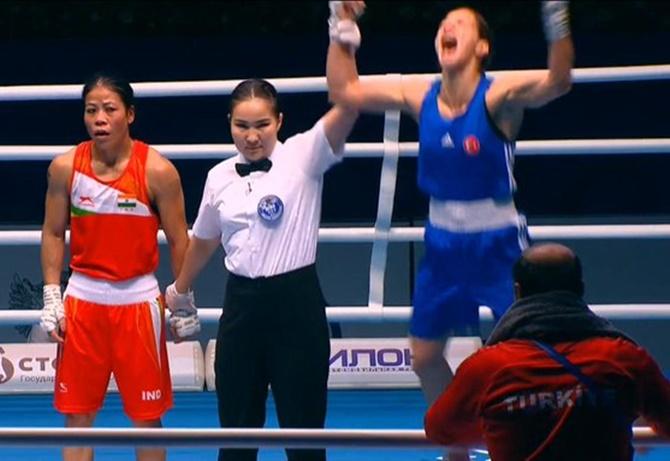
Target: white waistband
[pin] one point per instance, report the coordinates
(472, 216)
(135, 290)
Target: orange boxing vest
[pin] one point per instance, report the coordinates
(113, 226)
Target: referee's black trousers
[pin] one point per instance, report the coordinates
(273, 331)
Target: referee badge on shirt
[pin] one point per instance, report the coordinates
(270, 208)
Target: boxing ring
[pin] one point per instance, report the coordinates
(381, 418)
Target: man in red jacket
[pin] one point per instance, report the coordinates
(554, 381)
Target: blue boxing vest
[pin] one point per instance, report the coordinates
(465, 158)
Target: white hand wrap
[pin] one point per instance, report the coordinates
(183, 303)
(343, 31)
(556, 20)
(184, 325)
(53, 311)
(184, 319)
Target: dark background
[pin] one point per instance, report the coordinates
(65, 42)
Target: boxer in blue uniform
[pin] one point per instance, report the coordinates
(474, 233)
(467, 128)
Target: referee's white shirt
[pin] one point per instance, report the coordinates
(229, 210)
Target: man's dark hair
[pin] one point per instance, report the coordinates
(535, 277)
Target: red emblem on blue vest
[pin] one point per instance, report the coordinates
(471, 145)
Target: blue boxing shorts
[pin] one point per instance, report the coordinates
(460, 272)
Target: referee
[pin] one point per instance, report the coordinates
(264, 207)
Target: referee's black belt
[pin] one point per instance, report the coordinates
(292, 277)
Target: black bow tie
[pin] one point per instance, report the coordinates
(243, 169)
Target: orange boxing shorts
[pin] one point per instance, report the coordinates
(126, 340)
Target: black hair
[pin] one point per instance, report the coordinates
(544, 276)
(255, 88)
(116, 83)
(486, 34)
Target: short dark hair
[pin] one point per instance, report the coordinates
(485, 34)
(544, 276)
(114, 82)
(255, 88)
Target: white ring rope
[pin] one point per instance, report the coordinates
(415, 234)
(230, 438)
(241, 438)
(302, 84)
(371, 149)
(363, 314)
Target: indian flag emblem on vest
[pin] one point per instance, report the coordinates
(126, 202)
